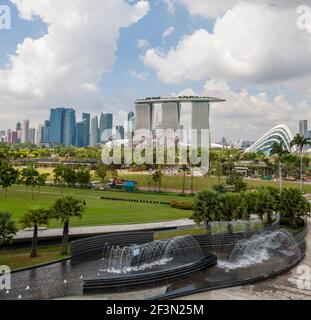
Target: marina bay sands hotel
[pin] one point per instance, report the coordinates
(176, 113)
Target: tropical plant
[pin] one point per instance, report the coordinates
(157, 178)
(70, 177)
(34, 218)
(269, 198)
(300, 142)
(8, 227)
(65, 209)
(41, 179)
(231, 207)
(8, 176)
(184, 169)
(205, 208)
(280, 151)
(101, 171)
(293, 206)
(235, 179)
(59, 173)
(29, 177)
(83, 177)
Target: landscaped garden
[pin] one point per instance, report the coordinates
(98, 212)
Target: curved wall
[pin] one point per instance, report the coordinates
(280, 133)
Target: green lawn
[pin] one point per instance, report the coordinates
(202, 183)
(176, 182)
(20, 258)
(98, 212)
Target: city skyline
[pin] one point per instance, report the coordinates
(128, 58)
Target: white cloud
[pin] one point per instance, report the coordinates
(142, 43)
(212, 8)
(248, 116)
(168, 32)
(138, 75)
(64, 66)
(252, 42)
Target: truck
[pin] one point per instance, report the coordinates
(120, 184)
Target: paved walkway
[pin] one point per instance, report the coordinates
(283, 287)
(89, 231)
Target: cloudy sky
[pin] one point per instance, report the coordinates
(98, 56)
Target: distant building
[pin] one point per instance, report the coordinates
(46, 131)
(278, 134)
(176, 113)
(303, 128)
(131, 122)
(32, 135)
(25, 131)
(62, 127)
(120, 132)
(2, 135)
(94, 137)
(57, 119)
(14, 137)
(87, 118)
(9, 136)
(69, 134)
(82, 134)
(105, 127)
(39, 134)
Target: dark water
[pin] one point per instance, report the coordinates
(65, 279)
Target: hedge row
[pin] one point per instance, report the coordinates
(135, 200)
(181, 205)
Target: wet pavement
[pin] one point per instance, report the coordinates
(65, 280)
(293, 285)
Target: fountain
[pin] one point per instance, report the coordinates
(260, 248)
(135, 258)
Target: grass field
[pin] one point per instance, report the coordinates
(98, 212)
(202, 183)
(199, 183)
(20, 258)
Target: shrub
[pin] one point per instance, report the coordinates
(181, 205)
(293, 206)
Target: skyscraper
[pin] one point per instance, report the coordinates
(46, 130)
(9, 136)
(131, 122)
(120, 132)
(32, 135)
(19, 132)
(62, 129)
(87, 118)
(57, 119)
(82, 136)
(105, 127)
(69, 134)
(39, 134)
(94, 132)
(303, 128)
(25, 131)
(14, 137)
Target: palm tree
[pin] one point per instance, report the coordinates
(34, 218)
(205, 208)
(300, 142)
(157, 178)
(184, 168)
(64, 209)
(8, 227)
(279, 150)
(231, 207)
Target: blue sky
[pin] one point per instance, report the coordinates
(257, 65)
(119, 81)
